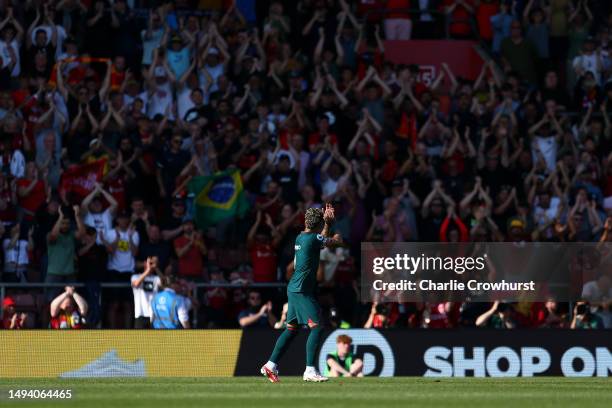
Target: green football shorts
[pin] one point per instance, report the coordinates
(302, 309)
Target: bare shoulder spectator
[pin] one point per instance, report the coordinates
(68, 310)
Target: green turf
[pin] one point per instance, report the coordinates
(293, 392)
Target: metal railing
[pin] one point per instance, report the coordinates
(111, 285)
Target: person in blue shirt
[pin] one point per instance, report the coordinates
(501, 23)
(179, 55)
(169, 309)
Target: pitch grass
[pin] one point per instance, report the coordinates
(292, 392)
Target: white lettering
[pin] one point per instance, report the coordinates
(534, 360)
(462, 364)
(435, 358)
(499, 353)
(567, 362)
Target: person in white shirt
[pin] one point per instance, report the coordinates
(68, 54)
(189, 92)
(546, 210)
(599, 290)
(122, 245)
(134, 92)
(545, 137)
(160, 89)
(144, 286)
(48, 26)
(17, 247)
(16, 162)
(589, 60)
(330, 259)
(214, 68)
(151, 37)
(332, 175)
(94, 213)
(12, 36)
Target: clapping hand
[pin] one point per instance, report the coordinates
(328, 215)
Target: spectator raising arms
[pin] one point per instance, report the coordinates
(156, 140)
(68, 310)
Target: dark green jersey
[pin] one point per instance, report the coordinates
(306, 262)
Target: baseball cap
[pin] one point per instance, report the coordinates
(283, 156)
(8, 302)
(516, 223)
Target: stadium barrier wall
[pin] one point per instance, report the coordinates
(463, 58)
(118, 353)
(447, 353)
(223, 353)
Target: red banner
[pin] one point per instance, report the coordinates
(80, 180)
(460, 56)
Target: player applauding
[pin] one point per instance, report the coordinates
(303, 308)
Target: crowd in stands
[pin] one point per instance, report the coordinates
(299, 96)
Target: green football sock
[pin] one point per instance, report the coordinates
(283, 342)
(311, 345)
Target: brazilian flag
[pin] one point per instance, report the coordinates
(218, 197)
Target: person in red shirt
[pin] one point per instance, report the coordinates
(117, 179)
(484, 11)
(436, 315)
(262, 249)
(271, 202)
(457, 232)
(31, 191)
(370, 9)
(118, 73)
(398, 25)
(460, 12)
(190, 251)
(317, 139)
(370, 52)
(381, 316)
(10, 318)
(68, 310)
